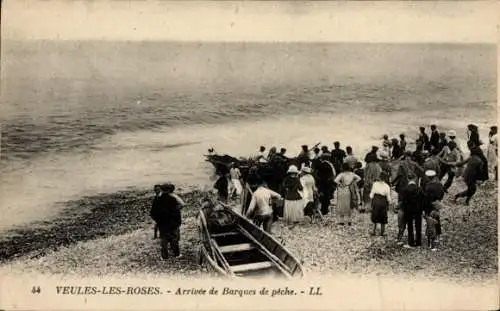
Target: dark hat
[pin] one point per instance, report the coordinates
(168, 187)
(472, 127)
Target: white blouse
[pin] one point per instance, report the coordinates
(308, 185)
(381, 188)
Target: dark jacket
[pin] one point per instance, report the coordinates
(407, 170)
(338, 156)
(166, 211)
(397, 152)
(222, 185)
(424, 140)
(291, 188)
(371, 157)
(433, 191)
(411, 199)
(434, 141)
(474, 169)
(474, 138)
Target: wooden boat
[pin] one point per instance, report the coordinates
(245, 250)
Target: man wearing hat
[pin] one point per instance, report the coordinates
(410, 213)
(433, 194)
(423, 139)
(325, 175)
(435, 137)
(166, 212)
(338, 156)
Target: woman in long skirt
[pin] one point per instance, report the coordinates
(381, 198)
(345, 194)
(294, 204)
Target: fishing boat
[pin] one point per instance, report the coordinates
(222, 163)
(241, 249)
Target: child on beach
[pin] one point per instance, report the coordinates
(431, 229)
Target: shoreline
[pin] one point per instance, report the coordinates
(112, 233)
(81, 220)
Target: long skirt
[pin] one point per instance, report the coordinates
(379, 209)
(294, 211)
(344, 199)
(237, 186)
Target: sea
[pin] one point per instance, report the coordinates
(83, 118)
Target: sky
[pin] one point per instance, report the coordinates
(324, 21)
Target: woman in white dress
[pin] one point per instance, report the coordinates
(493, 150)
(345, 193)
(308, 185)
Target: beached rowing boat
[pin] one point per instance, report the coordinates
(241, 249)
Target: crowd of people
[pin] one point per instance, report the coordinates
(304, 186)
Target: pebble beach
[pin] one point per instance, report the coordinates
(116, 238)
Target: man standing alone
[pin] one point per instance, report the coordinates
(166, 212)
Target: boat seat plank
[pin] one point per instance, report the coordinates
(236, 248)
(224, 234)
(252, 266)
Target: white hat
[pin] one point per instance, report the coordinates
(452, 133)
(306, 169)
(430, 173)
(292, 169)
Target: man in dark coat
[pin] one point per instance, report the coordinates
(434, 140)
(222, 186)
(433, 193)
(325, 175)
(166, 212)
(411, 205)
(423, 139)
(338, 156)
